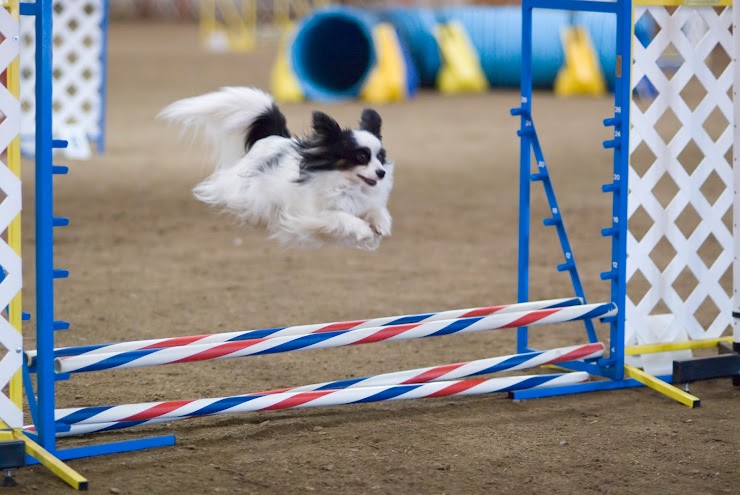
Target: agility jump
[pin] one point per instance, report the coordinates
(587, 360)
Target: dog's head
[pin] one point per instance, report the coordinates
(357, 153)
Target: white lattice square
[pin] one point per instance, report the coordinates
(680, 244)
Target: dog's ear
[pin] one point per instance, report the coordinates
(325, 126)
(370, 121)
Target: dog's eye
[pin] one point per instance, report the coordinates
(362, 156)
(381, 156)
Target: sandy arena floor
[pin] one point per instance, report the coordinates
(147, 260)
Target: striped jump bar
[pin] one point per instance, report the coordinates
(303, 329)
(175, 410)
(272, 345)
(421, 375)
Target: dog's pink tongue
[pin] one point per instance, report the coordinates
(368, 181)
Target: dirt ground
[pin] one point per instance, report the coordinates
(147, 260)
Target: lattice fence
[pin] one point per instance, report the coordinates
(10, 208)
(680, 246)
(78, 71)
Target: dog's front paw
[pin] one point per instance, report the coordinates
(364, 237)
(363, 233)
(372, 244)
(380, 223)
(382, 229)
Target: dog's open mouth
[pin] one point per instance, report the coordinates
(369, 182)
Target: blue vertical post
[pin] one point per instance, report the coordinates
(622, 101)
(44, 230)
(619, 188)
(525, 145)
(100, 147)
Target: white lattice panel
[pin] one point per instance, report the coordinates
(78, 69)
(10, 208)
(680, 244)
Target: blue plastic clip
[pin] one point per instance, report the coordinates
(608, 275)
(612, 122)
(517, 111)
(549, 222)
(25, 316)
(59, 143)
(61, 325)
(612, 143)
(60, 273)
(611, 187)
(28, 8)
(538, 177)
(60, 377)
(566, 266)
(59, 169)
(529, 131)
(59, 221)
(609, 231)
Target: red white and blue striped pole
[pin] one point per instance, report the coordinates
(514, 362)
(305, 329)
(175, 410)
(421, 375)
(272, 345)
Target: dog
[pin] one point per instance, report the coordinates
(329, 187)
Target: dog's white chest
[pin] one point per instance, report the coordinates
(352, 202)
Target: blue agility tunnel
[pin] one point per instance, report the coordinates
(415, 27)
(333, 53)
(496, 33)
(333, 50)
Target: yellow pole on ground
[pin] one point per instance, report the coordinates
(635, 350)
(659, 385)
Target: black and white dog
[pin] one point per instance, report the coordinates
(330, 187)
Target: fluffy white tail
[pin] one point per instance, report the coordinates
(222, 118)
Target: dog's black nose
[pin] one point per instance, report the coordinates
(381, 173)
